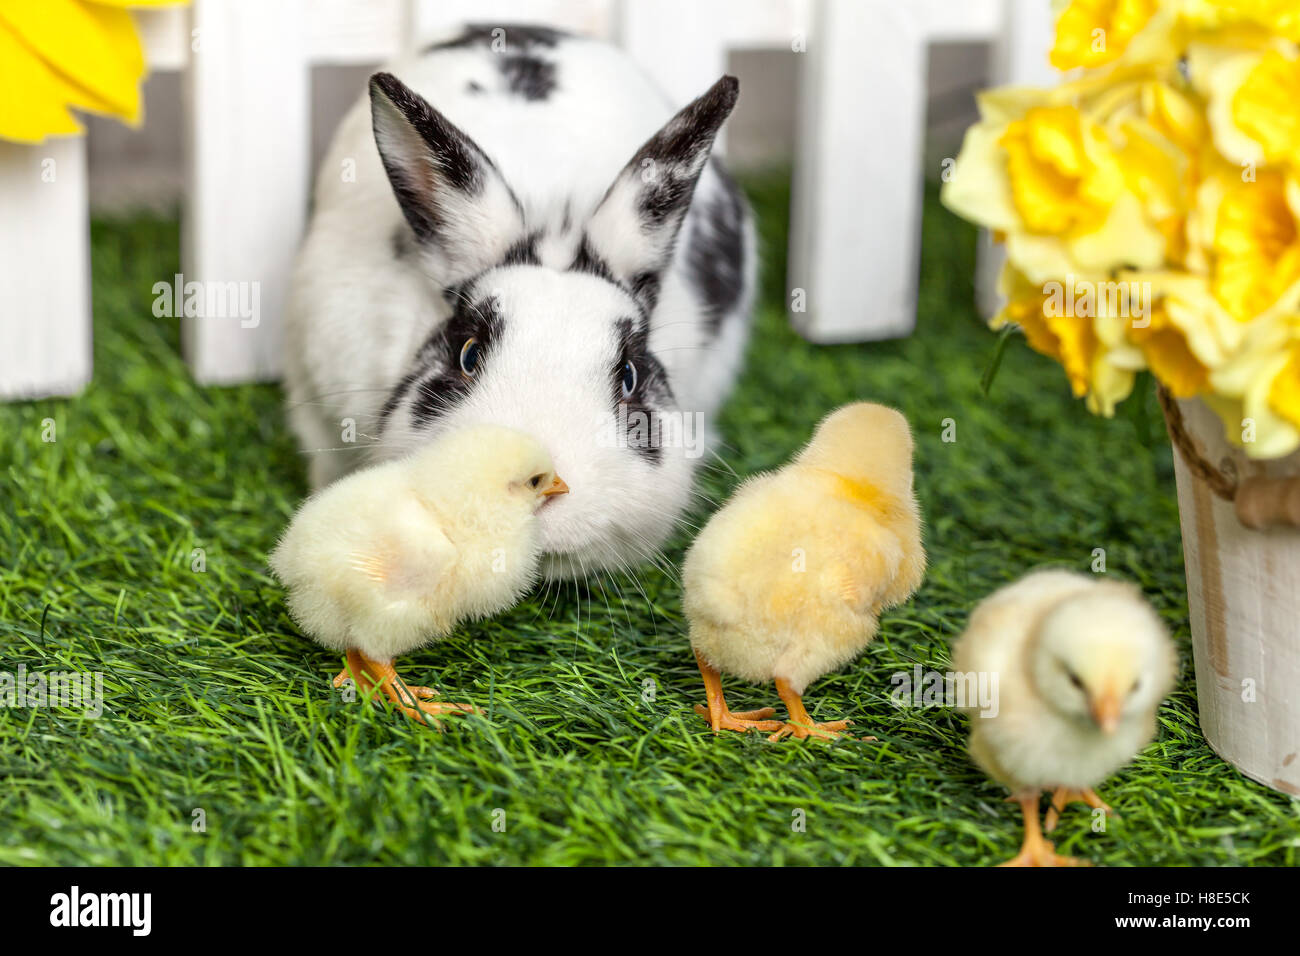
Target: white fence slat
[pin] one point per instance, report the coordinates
(248, 118)
(45, 320)
(165, 34)
(680, 43)
(856, 204)
(348, 32)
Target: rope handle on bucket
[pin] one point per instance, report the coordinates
(1258, 502)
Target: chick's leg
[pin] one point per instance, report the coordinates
(1065, 795)
(1036, 850)
(800, 725)
(412, 701)
(716, 712)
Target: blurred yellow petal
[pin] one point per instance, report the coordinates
(95, 48)
(1126, 238)
(1061, 170)
(1110, 386)
(1168, 355)
(1266, 107)
(1256, 245)
(1281, 17)
(31, 101)
(1091, 33)
(978, 189)
(1284, 393)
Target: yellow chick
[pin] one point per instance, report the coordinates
(395, 556)
(1081, 663)
(787, 581)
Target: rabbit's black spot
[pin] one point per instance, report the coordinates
(589, 261)
(439, 378)
(513, 36)
(402, 241)
(715, 251)
(473, 88)
(644, 287)
(528, 76)
(666, 195)
(638, 408)
(523, 252)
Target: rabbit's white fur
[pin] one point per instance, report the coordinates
(374, 304)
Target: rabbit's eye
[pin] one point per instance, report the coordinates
(470, 355)
(629, 378)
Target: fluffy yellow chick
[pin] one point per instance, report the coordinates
(395, 556)
(1081, 665)
(787, 581)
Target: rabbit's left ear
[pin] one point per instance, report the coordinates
(460, 209)
(633, 230)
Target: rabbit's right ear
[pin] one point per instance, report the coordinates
(461, 210)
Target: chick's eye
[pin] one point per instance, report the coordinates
(534, 481)
(629, 378)
(1074, 679)
(470, 355)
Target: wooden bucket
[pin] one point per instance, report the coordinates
(1243, 593)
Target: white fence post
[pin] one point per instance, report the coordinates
(248, 118)
(856, 202)
(45, 320)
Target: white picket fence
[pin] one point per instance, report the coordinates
(855, 229)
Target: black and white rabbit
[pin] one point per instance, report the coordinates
(537, 242)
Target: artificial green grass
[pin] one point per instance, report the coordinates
(590, 752)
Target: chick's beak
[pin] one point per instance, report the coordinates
(1105, 711)
(558, 487)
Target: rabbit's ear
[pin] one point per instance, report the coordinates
(633, 230)
(459, 207)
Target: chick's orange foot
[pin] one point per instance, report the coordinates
(1063, 796)
(415, 701)
(716, 712)
(828, 730)
(801, 726)
(1036, 850)
(744, 720)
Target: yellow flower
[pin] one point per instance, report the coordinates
(1091, 33)
(1069, 336)
(61, 54)
(1063, 174)
(1280, 17)
(1255, 252)
(1168, 355)
(1266, 107)
(1049, 177)
(1258, 391)
(1284, 393)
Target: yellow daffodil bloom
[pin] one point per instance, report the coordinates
(1260, 388)
(1255, 249)
(1266, 107)
(1056, 184)
(1168, 355)
(1278, 17)
(57, 55)
(1066, 330)
(1166, 166)
(1091, 33)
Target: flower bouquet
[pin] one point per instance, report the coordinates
(1150, 210)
